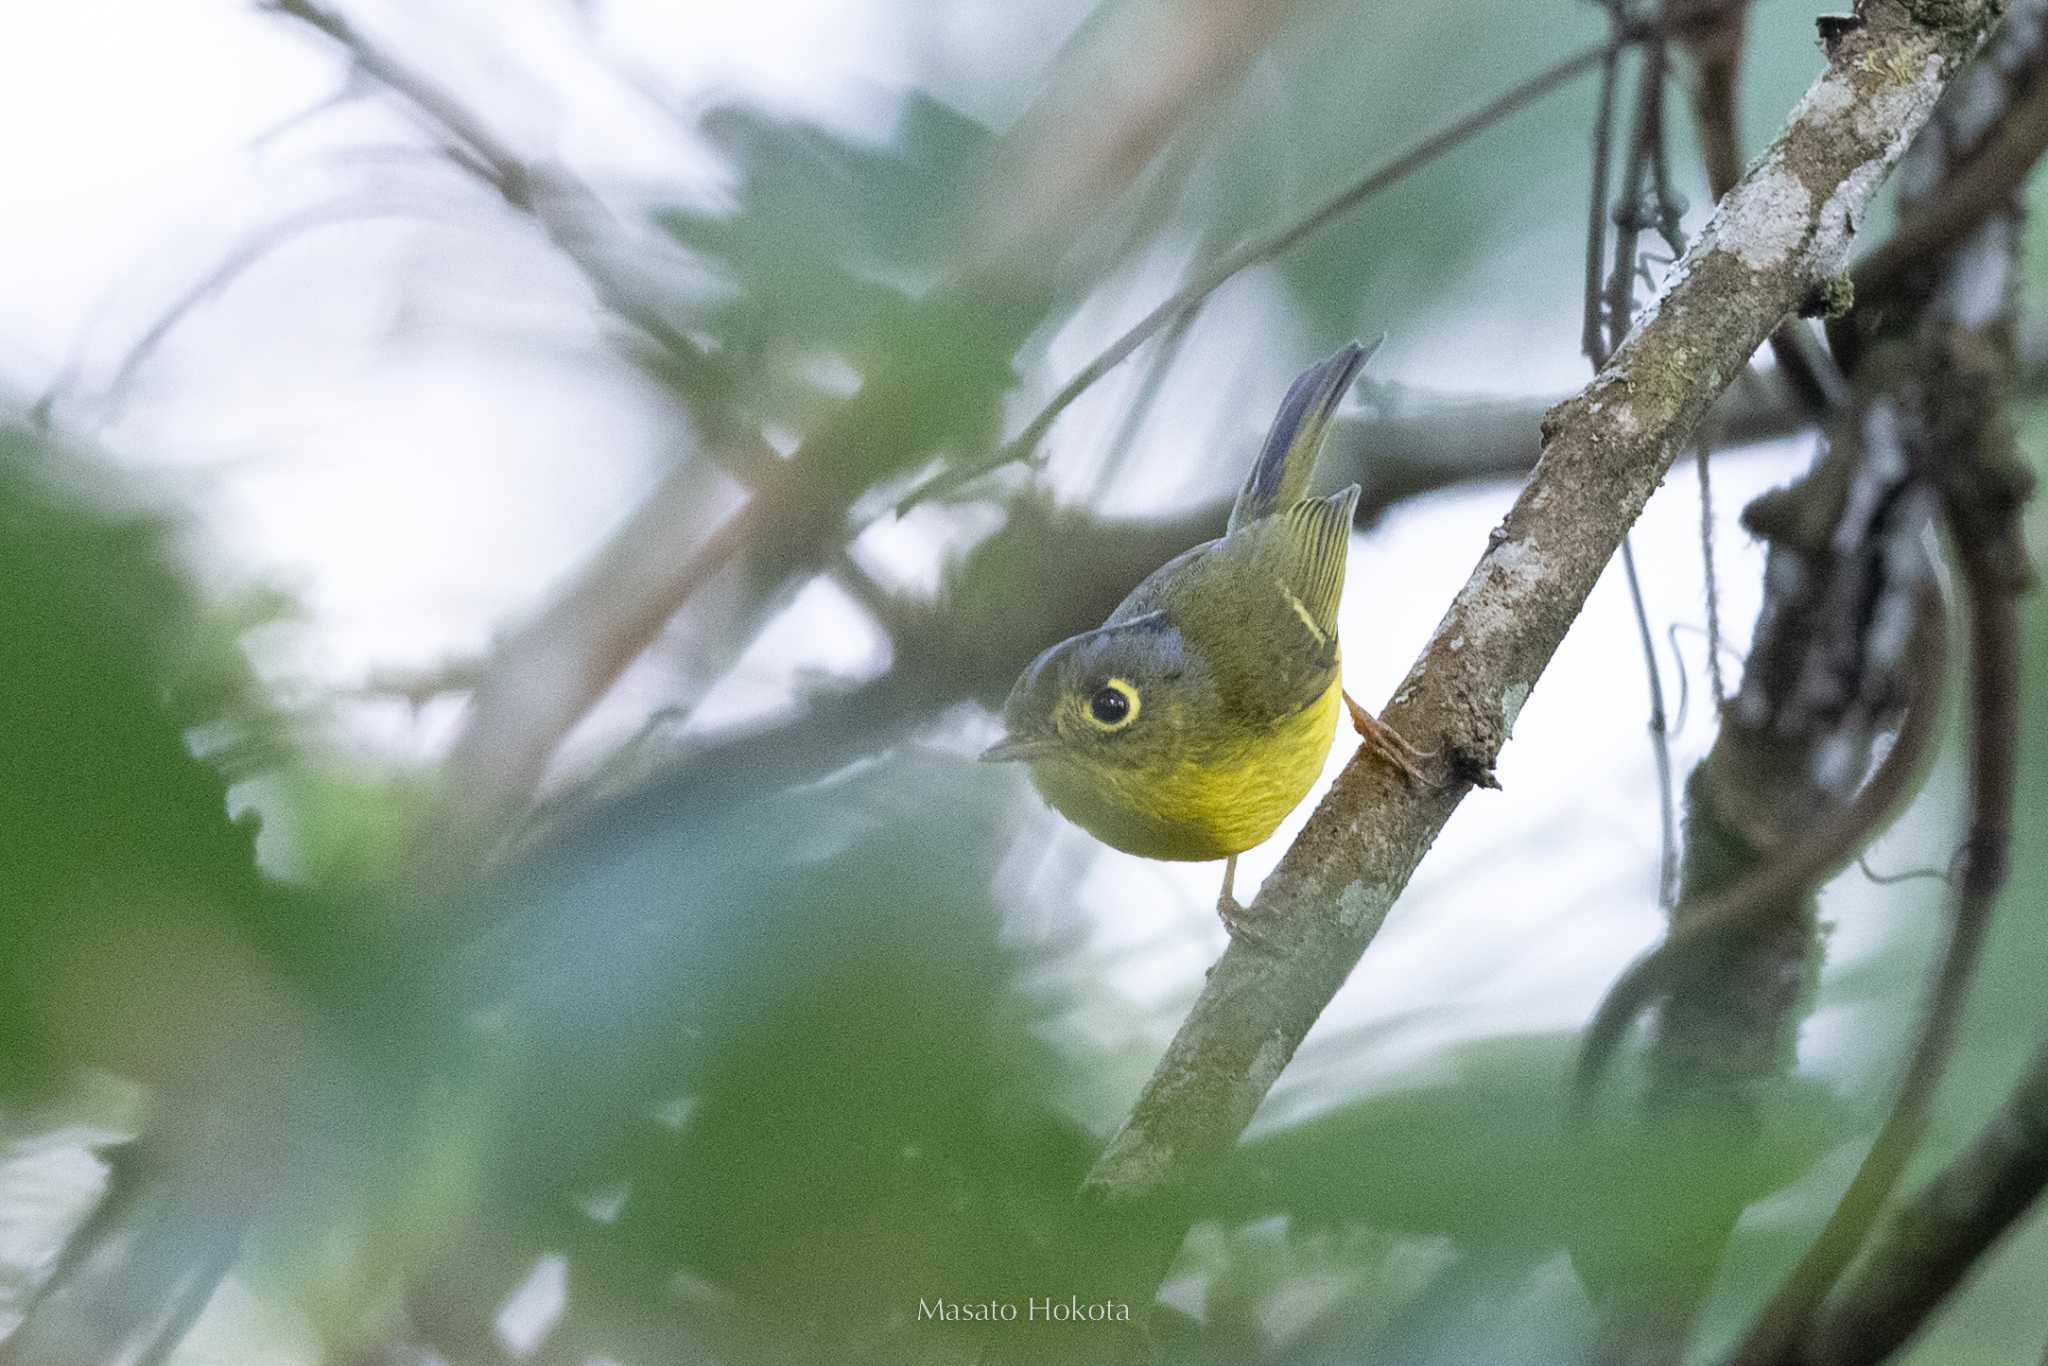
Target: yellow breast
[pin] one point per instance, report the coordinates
(1210, 806)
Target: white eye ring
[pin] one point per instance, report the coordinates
(1112, 706)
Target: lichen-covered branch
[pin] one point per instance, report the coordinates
(1776, 236)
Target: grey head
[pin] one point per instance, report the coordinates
(1116, 695)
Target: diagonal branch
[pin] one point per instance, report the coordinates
(1784, 228)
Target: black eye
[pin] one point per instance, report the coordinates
(1109, 706)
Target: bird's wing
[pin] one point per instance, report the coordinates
(1310, 543)
(1261, 606)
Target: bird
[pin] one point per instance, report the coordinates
(1191, 722)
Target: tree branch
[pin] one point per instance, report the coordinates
(1984, 503)
(1785, 227)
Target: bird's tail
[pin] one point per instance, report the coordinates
(1279, 477)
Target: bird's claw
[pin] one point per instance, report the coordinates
(1242, 924)
(1390, 743)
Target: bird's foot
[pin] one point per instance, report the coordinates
(1243, 926)
(1390, 743)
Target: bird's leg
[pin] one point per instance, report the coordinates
(1234, 916)
(1391, 742)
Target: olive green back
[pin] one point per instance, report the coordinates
(1259, 606)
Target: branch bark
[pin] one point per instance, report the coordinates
(1783, 229)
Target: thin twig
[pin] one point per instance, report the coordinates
(1714, 678)
(1593, 340)
(1660, 735)
(1894, 879)
(1933, 1243)
(247, 253)
(1668, 204)
(1628, 214)
(250, 251)
(1734, 655)
(1645, 155)
(1025, 446)
(1678, 671)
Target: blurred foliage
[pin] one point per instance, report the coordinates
(766, 1068)
(106, 817)
(780, 1049)
(834, 260)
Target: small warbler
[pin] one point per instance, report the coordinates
(1188, 724)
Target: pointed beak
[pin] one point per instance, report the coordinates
(1012, 748)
